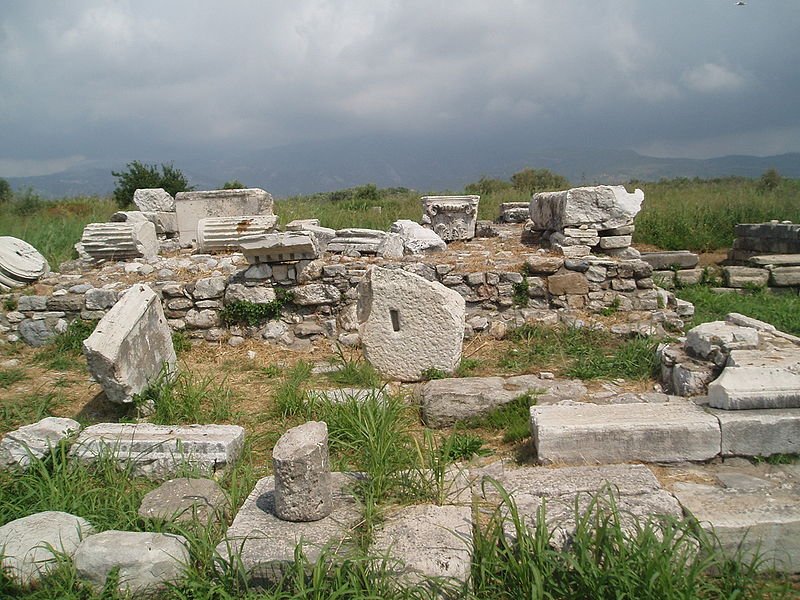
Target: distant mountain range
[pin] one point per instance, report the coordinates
(426, 165)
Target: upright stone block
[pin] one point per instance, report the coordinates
(593, 433)
(408, 324)
(193, 206)
(118, 241)
(600, 207)
(130, 345)
(217, 234)
(452, 217)
(302, 473)
(161, 451)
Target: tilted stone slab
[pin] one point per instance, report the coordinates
(452, 217)
(592, 433)
(161, 451)
(186, 500)
(363, 241)
(754, 387)
(35, 441)
(281, 247)
(636, 492)
(683, 259)
(193, 206)
(408, 324)
(265, 544)
(749, 521)
(130, 345)
(759, 432)
(447, 401)
(216, 234)
(427, 541)
(600, 207)
(27, 544)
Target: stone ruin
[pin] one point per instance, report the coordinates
(451, 217)
(20, 264)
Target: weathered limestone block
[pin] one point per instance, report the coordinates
(742, 277)
(447, 401)
(302, 473)
(719, 336)
(36, 333)
(315, 294)
(281, 247)
(416, 238)
(775, 260)
(209, 288)
(153, 200)
(145, 562)
(592, 433)
(193, 206)
(638, 496)
(301, 224)
(615, 241)
(543, 265)
(427, 541)
(215, 234)
(20, 263)
(514, 212)
(786, 276)
(452, 217)
(100, 299)
(601, 207)
(161, 451)
(409, 324)
(27, 544)
(186, 499)
(259, 294)
(130, 345)
(750, 522)
(363, 241)
(265, 544)
(323, 235)
(759, 432)
(660, 261)
(568, 283)
(118, 241)
(754, 387)
(164, 222)
(34, 441)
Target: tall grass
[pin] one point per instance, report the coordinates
(53, 228)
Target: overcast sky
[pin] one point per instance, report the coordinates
(89, 79)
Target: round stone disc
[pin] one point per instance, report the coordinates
(19, 260)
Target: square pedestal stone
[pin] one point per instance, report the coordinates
(131, 345)
(601, 207)
(634, 489)
(592, 433)
(427, 541)
(190, 207)
(750, 521)
(266, 545)
(161, 451)
(759, 432)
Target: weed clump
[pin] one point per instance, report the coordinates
(63, 350)
(243, 312)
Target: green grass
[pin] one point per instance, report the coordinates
(584, 353)
(26, 410)
(353, 370)
(53, 228)
(187, 399)
(513, 419)
(779, 309)
(65, 350)
(290, 395)
(9, 377)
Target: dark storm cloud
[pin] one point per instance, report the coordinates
(134, 79)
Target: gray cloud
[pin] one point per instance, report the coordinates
(146, 79)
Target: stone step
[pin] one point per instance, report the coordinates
(759, 432)
(591, 433)
(161, 451)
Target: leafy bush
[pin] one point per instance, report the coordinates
(769, 181)
(139, 175)
(6, 194)
(233, 184)
(485, 186)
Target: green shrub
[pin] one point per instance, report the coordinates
(234, 184)
(531, 181)
(486, 185)
(139, 175)
(6, 194)
(242, 312)
(433, 373)
(27, 202)
(353, 370)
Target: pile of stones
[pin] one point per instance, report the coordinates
(579, 220)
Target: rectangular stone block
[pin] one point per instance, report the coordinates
(615, 241)
(265, 544)
(592, 433)
(759, 432)
(190, 207)
(743, 277)
(130, 345)
(161, 451)
(775, 260)
(786, 276)
(755, 387)
(600, 207)
(683, 259)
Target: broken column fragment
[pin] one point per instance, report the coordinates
(118, 241)
(130, 345)
(20, 263)
(302, 473)
(227, 233)
(451, 217)
(193, 206)
(409, 324)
